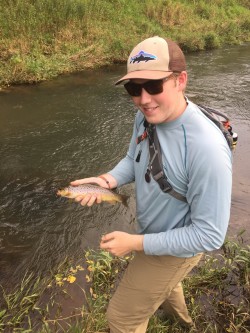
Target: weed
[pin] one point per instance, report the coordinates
(41, 39)
(217, 294)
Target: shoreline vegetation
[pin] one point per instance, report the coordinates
(40, 40)
(217, 294)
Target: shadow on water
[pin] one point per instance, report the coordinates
(80, 125)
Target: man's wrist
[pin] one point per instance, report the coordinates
(106, 181)
(138, 242)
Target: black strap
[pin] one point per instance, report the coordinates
(156, 165)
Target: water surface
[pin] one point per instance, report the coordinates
(80, 125)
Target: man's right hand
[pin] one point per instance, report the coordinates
(107, 181)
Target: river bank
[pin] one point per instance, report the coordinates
(41, 40)
(217, 295)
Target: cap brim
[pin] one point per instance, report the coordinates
(147, 75)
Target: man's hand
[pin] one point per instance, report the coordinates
(121, 243)
(90, 199)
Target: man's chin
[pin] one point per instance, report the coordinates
(153, 120)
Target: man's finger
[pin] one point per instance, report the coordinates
(91, 200)
(80, 181)
(79, 198)
(85, 200)
(105, 245)
(108, 237)
(98, 198)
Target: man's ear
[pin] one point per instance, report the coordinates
(182, 81)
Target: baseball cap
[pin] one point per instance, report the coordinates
(154, 58)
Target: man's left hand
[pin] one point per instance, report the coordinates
(121, 243)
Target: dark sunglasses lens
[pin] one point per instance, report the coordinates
(154, 87)
(133, 89)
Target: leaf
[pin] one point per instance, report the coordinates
(79, 268)
(73, 270)
(2, 313)
(59, 283)
(88, 279)
(58, 277)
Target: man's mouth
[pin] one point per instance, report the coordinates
(149, 109)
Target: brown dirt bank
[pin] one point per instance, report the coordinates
(240, 211)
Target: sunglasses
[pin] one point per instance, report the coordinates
(153, 87)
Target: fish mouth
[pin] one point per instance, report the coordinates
(60, 192)
(63, 193)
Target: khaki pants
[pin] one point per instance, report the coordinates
(148, 282)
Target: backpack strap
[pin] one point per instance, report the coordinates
(223, 125)
(155, 167)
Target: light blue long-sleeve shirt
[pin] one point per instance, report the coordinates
(198, 164)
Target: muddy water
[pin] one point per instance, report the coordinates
(80, 125)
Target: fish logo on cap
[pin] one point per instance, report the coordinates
(142, 56)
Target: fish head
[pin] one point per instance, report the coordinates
(63, 193)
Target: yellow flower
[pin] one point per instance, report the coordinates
(71, 278)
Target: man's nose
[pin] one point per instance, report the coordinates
(145, 97)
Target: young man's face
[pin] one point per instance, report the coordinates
(165, 106)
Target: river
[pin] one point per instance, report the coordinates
(80, 125)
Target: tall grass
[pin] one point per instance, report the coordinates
(217, 293)
(41, 39)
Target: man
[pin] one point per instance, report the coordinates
(174, 229)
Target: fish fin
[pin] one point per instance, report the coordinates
(112, 202)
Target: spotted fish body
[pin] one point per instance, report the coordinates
(85, 189)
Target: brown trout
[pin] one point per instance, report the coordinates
(84, 189)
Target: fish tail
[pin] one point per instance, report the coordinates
(125, 200)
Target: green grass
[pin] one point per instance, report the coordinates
(217, 294)
(42, 39)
